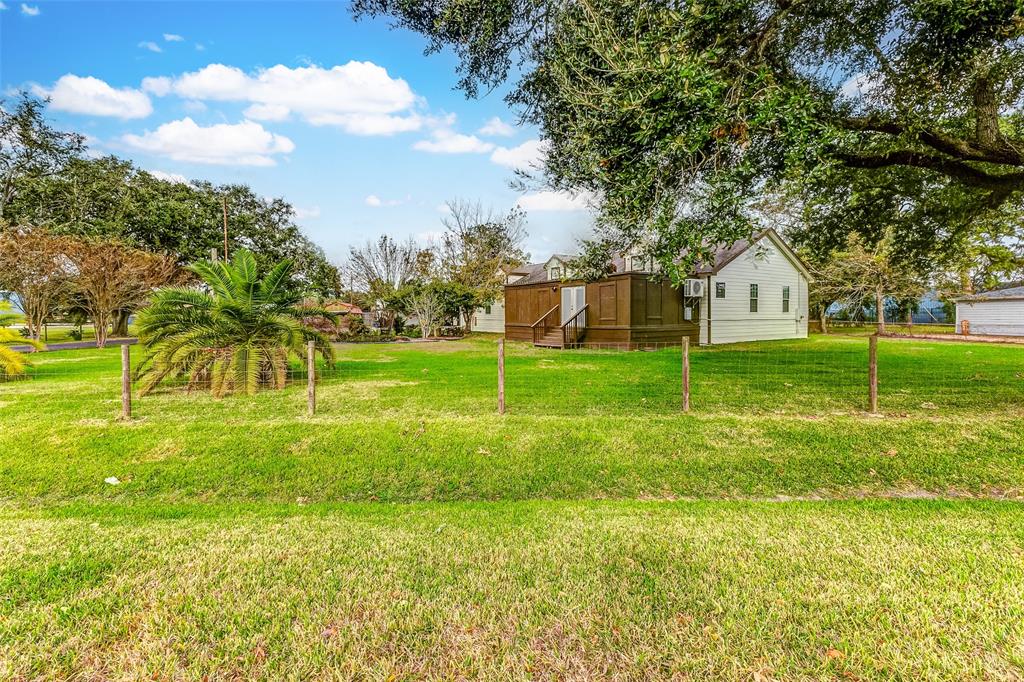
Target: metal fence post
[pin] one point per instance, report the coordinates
(686, 374)
(501, 376)
(311, 377)
(873, 373)
(126, 382)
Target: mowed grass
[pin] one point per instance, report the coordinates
(528, 590)
(418, 422)
(407, 531)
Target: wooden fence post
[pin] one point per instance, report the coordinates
(501, 376)
(873, 373)
(126, 382)
(311, 377)
(686, 374)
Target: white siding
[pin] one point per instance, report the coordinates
(731, 319)
(492, 322)
(1000, 318)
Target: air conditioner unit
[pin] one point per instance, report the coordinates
(693, 288)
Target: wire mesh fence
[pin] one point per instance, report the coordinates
(816, 376)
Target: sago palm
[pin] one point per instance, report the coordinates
(12, 363)
(237, 335)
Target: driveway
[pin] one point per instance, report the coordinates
(76, 345)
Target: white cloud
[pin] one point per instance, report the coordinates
(445, 141)
(173, 38)
(858, 85)
(169, 177)
(359, 97)
(311, 213)
(376, 202)
(200, 47)
(3, 6)
(495, 127)
(29, 10)
(242, 144)
(92, 96)
(267, 112)
(151, 46)
(527, 156)
(555, 201)
(159, 86)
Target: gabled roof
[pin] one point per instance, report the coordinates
(534, 272)
(1008, 293)
(725, 254)
(343, 308)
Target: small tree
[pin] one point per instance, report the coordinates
(34, 267)
(476, 243)
(237, 335)
(857, 275)
(111, 276)
(382, 268)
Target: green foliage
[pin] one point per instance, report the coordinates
(12, 363)
(236, 336)
(680, 116)
(476, 245)
(31, 148)
(46, 182)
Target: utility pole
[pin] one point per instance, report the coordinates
(225, 204)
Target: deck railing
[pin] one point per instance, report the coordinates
(574, 328)
(542, 324)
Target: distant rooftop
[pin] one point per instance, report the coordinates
(1010, 291)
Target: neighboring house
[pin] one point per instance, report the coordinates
(999, 312)
(491, 318)
(346, 313)
(754, 289)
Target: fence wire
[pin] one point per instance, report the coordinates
(816, 376)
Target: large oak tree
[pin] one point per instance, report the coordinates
(679, 114)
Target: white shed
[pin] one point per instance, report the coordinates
(998, 313)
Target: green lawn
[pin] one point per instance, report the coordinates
(407, 531)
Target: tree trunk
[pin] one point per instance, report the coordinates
(880, 310)
(100, 324)
(824, 320)
(120, 323)
(986, 110)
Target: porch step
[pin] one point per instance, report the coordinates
(550, 340)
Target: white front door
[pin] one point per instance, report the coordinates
(573, 300)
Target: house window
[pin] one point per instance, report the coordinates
(487, 310)
(556, 273)
(719, 289)
(636, 263)
(785, 299)
(753, 298)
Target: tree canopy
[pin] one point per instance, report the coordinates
(680, 115)
(49, 182)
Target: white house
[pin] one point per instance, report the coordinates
(752, 290)
(999, 312)
(755, 289)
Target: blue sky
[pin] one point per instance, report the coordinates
(347, 120)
